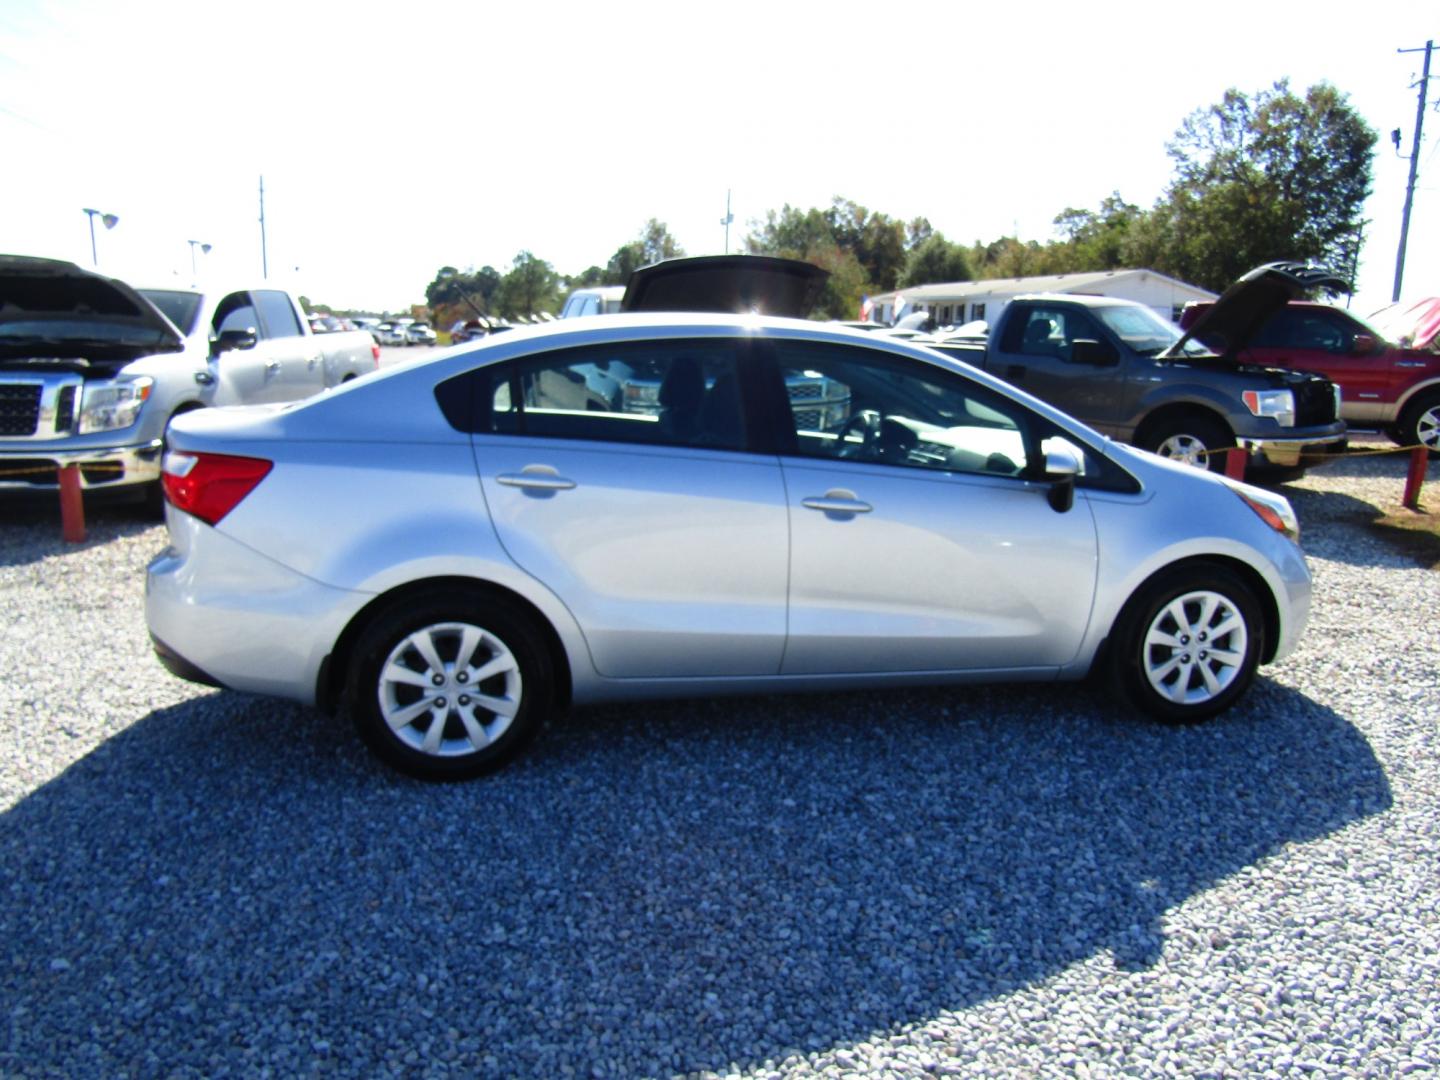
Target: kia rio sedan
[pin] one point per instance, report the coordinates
(452, 551)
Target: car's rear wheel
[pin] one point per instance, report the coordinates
(1192, 440)
(449, 686)
(1187, 645)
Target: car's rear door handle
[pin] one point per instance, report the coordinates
(272, 366)
(837, 501)
(536, 478)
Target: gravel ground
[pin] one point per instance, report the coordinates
(1000, 880)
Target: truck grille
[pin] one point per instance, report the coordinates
(19, 408)
(1314, 403)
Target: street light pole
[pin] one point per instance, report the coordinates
(205, 248)
(726, 220)
(108, 220)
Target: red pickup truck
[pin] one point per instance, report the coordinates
(1393, 387)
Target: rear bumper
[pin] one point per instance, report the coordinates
(36, 469)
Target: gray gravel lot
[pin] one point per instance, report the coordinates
(999, 880)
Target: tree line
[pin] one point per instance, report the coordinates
(1257, 177)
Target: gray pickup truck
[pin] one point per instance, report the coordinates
(1136, 377)
(91, 370)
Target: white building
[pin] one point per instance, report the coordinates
(957, 302)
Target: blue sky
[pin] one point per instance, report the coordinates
(398, 138)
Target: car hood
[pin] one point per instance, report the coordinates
(1416, 326)
(55, 310)
(1231, 321)
(734, 284)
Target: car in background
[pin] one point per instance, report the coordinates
(511, 546)
(600, 300)
(1383, 384)
(420, 333)
(387, 333)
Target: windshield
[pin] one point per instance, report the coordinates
(179, 307)
(1145, 332)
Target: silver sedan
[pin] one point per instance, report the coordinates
(677, 505)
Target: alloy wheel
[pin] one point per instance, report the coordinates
(1195, 647)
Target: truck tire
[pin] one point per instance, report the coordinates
(1420, 422)
(1190, 438)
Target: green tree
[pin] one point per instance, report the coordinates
(653, 245)
(1095, 240)
(936, 260)
(531, 286)
(1276, 176)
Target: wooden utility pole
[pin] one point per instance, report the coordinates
(1414, 167)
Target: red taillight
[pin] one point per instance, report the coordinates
(210, 485)
(375, 354)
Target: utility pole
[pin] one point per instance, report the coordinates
(726, 220)
(1414, 167)
(264, 259)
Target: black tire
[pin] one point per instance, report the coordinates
(501, 635)
(1420, 423)
(1192, 438)
(1138, 668)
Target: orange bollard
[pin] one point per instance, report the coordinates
(72, 506)
(1235, 463)
(1415, 477)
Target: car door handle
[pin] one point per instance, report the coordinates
(536, 478)
(837, 501)
(272, 366)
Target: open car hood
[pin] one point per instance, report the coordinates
(742, 284)
(50, 308)
(1231, 321)
(1413, 326)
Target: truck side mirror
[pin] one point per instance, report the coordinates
(1094, 353)
(1061, 468)
(1364, 344)
(234, 339)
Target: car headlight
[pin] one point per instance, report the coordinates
(1277, 404)
(107, 406)
(1275, 510)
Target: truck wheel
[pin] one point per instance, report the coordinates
(449, 684)
(1192, 440)
(1187, 644)
(1420, 423)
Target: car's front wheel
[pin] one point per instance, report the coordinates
(1188, 643)
(1192, 440)
(447, 686)
(1420, 423)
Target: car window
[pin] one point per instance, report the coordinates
(235, 312)
(278, 313)
(1047, 331)
(847, 404)
(675, 393)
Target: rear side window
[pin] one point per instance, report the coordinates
(277, 313)
(669, 393)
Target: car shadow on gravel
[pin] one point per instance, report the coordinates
(1374, 540)
(30, 526)
(231, 884)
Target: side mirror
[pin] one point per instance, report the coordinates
(234, 339)
(1364, 344)
(1061, 468)
(1094, 353)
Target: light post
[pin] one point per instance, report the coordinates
(205, 248)
(110, 221)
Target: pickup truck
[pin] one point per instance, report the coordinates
(1134, 376)
(92, 370)
(1383, 385)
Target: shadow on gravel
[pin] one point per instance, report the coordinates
(231, 884)
(30, 526)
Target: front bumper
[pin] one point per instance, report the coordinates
(1291, 451)
(37, 469)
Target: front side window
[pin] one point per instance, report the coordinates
(235, 312)
(847, 405)
(669, 393)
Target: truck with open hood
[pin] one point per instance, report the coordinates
(1138, 378)
(92, 370)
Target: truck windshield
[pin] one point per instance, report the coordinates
(1145, 332)
(179, 307)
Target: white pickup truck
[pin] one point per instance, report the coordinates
(91, 370)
